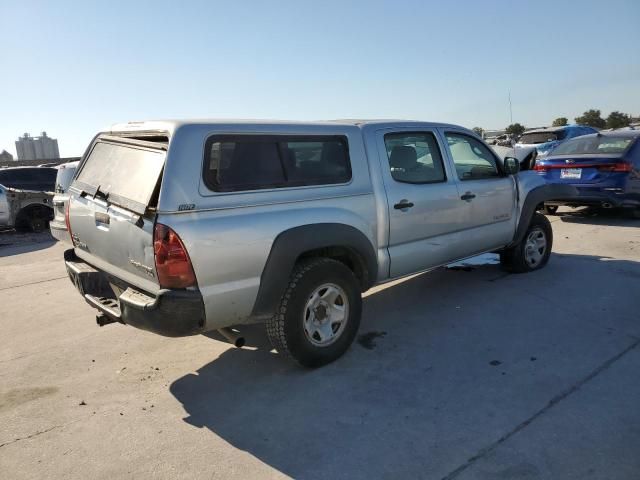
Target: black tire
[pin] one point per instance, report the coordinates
(286, 329)
(33, 219)
(550, 209)
(38, 224)
(633, 213)
(517, 259)
(22, 226)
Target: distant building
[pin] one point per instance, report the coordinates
(6, 156)
(37, 148)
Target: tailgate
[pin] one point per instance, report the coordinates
(111, 209)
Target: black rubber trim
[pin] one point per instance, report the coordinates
(171, 313)
(291, 244)
(534, 198)
(176, 313)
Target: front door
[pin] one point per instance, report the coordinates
(425, 210)
(488, 195)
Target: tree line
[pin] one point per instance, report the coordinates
(592, 118)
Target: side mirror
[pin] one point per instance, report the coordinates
(511, 165)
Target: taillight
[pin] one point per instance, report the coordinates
(66, 220)
(539, 168)
(615, 167)
(173, 265)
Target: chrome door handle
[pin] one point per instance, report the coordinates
(468, 196)
(403, 204)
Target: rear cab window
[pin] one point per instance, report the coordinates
(123, 171)
(257, 162)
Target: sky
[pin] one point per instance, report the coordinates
(72, 68)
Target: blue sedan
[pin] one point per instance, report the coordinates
(604, 167)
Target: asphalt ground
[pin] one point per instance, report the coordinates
(458, 373)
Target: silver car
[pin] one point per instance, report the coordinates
(185, 227)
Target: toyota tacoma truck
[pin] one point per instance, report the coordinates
(183, 227)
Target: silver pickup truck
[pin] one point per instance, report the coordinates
(185, 227)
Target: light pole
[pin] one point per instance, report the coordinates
(510, 110)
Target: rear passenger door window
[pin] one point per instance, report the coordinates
(471, 158)
(256, 162)
(414, 158)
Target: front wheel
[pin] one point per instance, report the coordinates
(319, 313)
(532, 253)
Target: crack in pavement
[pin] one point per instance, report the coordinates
(30, 436)
(555, 400)
(33, 283)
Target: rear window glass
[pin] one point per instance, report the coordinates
(593, 145)
(540, 137)
(254, 162)
(37, 178)
(125, 171)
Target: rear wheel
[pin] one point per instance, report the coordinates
(33, 219)
(319, 313)
(38, 224)
(533, 252)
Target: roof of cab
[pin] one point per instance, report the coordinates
(172, 125)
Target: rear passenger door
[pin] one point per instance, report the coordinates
(424, 207)
(488, 196)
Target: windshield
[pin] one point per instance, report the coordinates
(29, 178)
(539, 137)
(594, 145)
(126, 171)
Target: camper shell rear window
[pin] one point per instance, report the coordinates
(123, 171)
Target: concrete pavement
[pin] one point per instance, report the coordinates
(456, 374)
